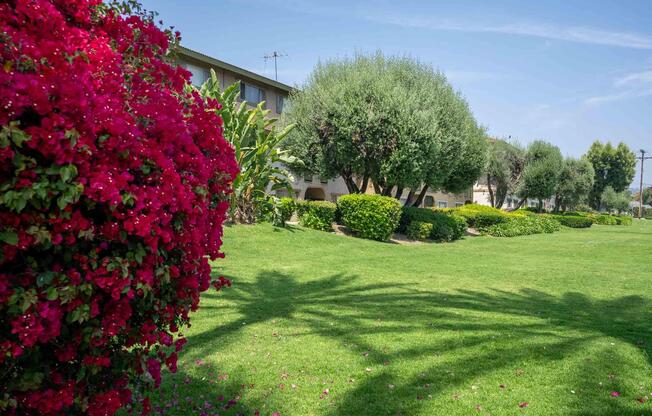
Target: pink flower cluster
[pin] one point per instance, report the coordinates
(113, 184)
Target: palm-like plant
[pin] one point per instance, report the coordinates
(256, 141)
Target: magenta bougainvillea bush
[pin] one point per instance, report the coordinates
(113, 184)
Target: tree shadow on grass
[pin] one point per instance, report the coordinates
(554, 327)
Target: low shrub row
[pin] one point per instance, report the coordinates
(286, 208)
(605, 219)
(573, 221)
(523, 225)
(374, 217)
(318, 215)
(471, 212)
(419, 230)
(601, 219)
(445, 226)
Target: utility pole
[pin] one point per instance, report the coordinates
(274, 55)
(642, 158)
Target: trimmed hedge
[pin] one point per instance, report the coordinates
(517, 226)
(487, 219)
(370, 216)
(418, 230)
(573, 221)
(624, 220)
(604, 219)
(286, 208)
(470, 213)
(446, 226)
(318, 215)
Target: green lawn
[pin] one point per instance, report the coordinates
(320, 324)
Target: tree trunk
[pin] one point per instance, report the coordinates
(365, 183)
(410, 197)
(540, 205)
(492, 200)
(520, 204)
(399, 192)
(422, 195)
(377, 189)
(350, 184)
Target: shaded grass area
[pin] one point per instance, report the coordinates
(319, 324)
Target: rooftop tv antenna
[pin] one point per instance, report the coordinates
(274, 55)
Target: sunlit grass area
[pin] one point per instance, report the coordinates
(321, 324)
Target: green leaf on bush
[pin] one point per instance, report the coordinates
(30, 381)
(9, 237)
(45, 278)
(52, 293)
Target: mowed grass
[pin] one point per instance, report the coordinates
(320, 324)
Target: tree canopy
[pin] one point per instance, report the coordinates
(574, 184)
(388, 122)
(613, 166)
(615, 201)
(543, 164)
(504, 170)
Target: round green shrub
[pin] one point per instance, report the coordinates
(286, 207)
(604, 219)
(487, 219)
(624, 220)
(573, 221)
(446, 226)
(370, 216)
(517, 226)
(318, 215)
(412, 214)
(471, 211)
(418, 230)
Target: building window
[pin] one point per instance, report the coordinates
(429, 201)
(442, 204)
(459, 204)
(307, 178)
(251, 93)
(280, 103)
(322, 180)
(198, 75)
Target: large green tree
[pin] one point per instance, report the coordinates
(504, 170)
(613, 166)
(574, 184)
(388, 122)
(610, 200)
(543, 164)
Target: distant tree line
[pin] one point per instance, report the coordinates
(539, 172)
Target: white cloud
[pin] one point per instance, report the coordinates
(628, 86)
(618, 96)
(571, 34)
(636, 78)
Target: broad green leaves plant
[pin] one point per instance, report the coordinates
(256, 141)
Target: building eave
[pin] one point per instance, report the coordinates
(189, 53)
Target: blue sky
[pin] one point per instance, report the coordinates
(566, 72)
